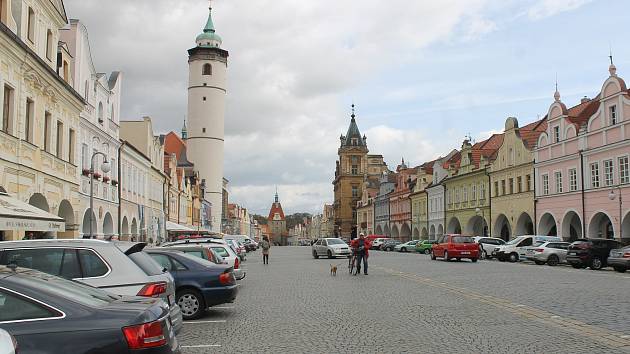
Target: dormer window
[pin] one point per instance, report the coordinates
(556, 134)
(612, 114)
(355, 141)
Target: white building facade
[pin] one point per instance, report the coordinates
(40, 114)
(206, 113)
(99, 132)
(435, 198)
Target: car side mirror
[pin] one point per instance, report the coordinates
(164, 270)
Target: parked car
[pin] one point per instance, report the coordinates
(407, 246)
(376, 244)
(487, 245)
(425, 246)
(121, 268)
(389, 244)
(374, 237)
(552, 253)
(202, 252)
(199, 284)
(8, 344)
(218, 245)
(455, 246)
(591, 252)
(244, 240)
(331, 247)
(514, 250)
(619, 259)
(48, 314)
(238, 248)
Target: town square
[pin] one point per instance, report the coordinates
(257, 176)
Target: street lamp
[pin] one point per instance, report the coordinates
(105, 167)
(483, 218)
(612, 196)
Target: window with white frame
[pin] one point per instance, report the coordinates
(457, 195)
(595, 175)
(608, 173)
(624, 177)
(558, 176)
(556, 134)
(572, 179)
(473, 191)
(545, 184)
(482, 191)
(612, 114)
(465, 194)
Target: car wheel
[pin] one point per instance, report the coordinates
(483, 255)
(403, 249)
(513, 257)
(553, 260)
(427, 251)
(433, 257)
(596, 263)
(191, 303)
(474, 259)
(620, 269)
(446, 256)
(315, 255)
(539, 262)
(329, 254)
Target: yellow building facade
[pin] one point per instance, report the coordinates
(511, 180)
(466, 188)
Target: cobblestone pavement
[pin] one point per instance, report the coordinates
(410, 304)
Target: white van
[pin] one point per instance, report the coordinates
(514, 250)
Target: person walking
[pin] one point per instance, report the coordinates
(361, 246)
(265, 245)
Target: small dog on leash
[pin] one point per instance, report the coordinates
(333, 269)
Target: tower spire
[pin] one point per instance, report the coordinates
(184, 130)
(209, 38)
(276, 198)
(352, 115)
(556, 95)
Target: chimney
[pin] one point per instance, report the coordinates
(584, 99)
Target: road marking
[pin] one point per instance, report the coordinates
(202, 346)
(208, 321)
(607, 337)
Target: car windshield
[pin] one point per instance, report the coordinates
(462, 239)
(221, 251)
(335, 241)
(69, 289)
(514, 241)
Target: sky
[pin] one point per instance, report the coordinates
(423, 74)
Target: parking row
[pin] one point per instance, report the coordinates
(123, 296)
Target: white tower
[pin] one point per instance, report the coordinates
(207, 67)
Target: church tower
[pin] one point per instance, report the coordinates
(207, 71)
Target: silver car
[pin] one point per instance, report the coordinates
(118, 267)
(552, 253)
(331, 247)
(487, 245)
(219, 246)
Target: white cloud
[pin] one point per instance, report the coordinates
(548, 8)
(479, 27)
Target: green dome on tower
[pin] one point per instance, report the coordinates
(209, 37)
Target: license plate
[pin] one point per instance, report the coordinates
(572, 253)
(465, 252)
(171, 299)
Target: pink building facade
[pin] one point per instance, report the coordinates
(582, 166)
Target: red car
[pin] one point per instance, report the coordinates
(455, 246)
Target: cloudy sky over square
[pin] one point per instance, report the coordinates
(423, 74)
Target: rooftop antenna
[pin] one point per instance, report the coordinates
(610, 53)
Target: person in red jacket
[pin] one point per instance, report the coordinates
(361, 248)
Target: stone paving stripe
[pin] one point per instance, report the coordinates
(202, 346)
(208, 321)
(609, 338)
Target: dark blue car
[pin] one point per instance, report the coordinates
(199, 284)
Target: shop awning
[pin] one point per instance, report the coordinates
(171, 226)
(16, 215)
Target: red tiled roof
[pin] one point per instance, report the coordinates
(529, 134)
(454, 160)
(173, 144)
(276, 208)
(579, 115)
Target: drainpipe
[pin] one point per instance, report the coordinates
(119, 192)
(535, 201)
(582, 193)
(489, 204)
(444, 228)
(427, 193)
